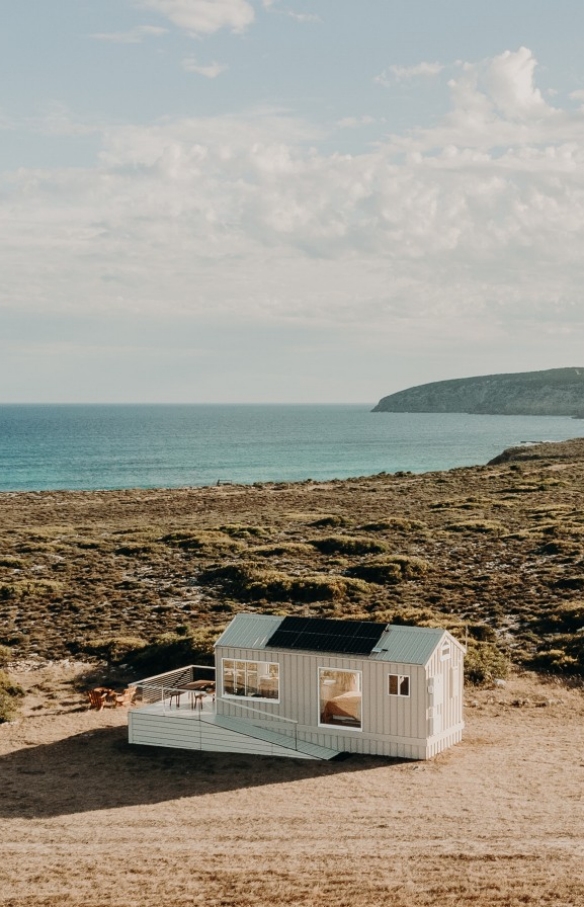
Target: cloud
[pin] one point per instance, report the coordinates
(203, 17)
(479, 217)
(355, 122)
(210, 70)
(303, 17)
(133, 36)
(510, 81)
(405, 73)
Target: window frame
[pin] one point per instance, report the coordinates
(339, 727)
(236, 697)
(400, 679)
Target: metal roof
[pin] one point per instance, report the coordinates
(407, 645)
(249, 631)
(404, 645)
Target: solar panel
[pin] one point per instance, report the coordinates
(321, 634)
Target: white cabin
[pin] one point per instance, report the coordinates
(311, 688)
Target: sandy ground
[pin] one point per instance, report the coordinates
(86, 819)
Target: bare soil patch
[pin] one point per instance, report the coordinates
(88, 820)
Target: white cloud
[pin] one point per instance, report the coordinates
(203, 17)
(355, 122)
(404, 73)
(303, 17)
(209, 70)
(133, 36)
(510, 80)
(228, 217)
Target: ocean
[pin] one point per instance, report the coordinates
(48, 447)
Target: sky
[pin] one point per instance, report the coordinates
(318, 201)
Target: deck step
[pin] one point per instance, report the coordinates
(243, 726)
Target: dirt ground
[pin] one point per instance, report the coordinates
(86, 819)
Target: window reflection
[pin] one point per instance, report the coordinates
(340, 697)
(251, 679)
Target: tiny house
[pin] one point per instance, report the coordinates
(312, 688)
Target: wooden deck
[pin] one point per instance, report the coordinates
(185, 727)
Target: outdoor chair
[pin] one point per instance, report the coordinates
(97, 698)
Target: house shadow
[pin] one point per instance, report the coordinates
(99, 770)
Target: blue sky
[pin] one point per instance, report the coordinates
(314, 200)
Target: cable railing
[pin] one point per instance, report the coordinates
(166, 690)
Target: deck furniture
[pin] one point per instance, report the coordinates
(98, 697)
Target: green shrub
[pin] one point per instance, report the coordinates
(204, 541)
(484, 663)
(389, 570)
(175, 650)
(250, 582)
(291, 549)
(240, 531)
(395, 523)
(346, 544)
(331, 522)
(114, 649)
(14, 563)
(484, 526)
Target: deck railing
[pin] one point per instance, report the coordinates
(163, 688)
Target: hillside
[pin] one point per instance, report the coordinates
(495, 551)
(556, 392)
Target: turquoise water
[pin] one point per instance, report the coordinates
(151, 446)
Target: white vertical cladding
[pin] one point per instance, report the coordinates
(406, 719)
(445, 687)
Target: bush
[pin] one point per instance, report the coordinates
(114, 649)
(239, 531)
(390, 570)
(201, 541)
(250, 582)
(5, 655)
(485, 526)
(484, 663)
(346, 544)
(175, 650)
(331, 522)
(395, 523)
(10, 693)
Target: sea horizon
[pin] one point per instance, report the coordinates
(108, 446)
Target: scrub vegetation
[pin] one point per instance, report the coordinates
(495, 553)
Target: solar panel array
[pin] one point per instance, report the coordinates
(319, 634)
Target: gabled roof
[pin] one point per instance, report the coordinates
(398, 644)
(407, 645)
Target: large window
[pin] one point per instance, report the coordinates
(340, 698)
(399, 685)
(251, 679)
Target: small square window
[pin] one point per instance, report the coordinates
(399, 685)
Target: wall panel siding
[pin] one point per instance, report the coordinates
(391, 725)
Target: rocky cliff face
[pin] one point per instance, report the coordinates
(556, 392)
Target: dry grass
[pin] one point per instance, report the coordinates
(88, 821)
(498, 549)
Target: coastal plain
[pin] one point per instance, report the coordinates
(87, 579)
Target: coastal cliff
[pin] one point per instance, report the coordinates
(555, 392)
